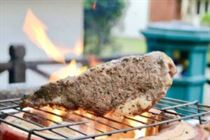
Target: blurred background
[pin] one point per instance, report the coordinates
(45, 32)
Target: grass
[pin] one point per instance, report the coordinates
(122, 46)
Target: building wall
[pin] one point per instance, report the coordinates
(164, 10)
(134, 19)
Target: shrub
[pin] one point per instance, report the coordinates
(99, 17)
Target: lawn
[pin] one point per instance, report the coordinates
(122, 46)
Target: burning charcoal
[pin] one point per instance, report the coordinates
(127, 86)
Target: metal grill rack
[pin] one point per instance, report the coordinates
(180, 110)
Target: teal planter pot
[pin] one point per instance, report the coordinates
(188, 46)
(187, 89)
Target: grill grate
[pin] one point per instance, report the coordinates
(180, 110)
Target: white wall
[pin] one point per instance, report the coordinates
(135, 19)
(64, 19)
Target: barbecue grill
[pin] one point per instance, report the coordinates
(180, 110)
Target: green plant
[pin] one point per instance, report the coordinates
(99, 17)
(205, 20)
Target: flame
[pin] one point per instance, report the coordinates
(70, 70)
(36, 31)
(137, 133)
(93, 61)
(76, 50)
(95, 123)
(46, 115)
(58, 111)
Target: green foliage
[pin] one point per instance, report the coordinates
(206, 19)
(100, 16)
(206, 22)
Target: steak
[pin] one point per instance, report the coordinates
(127, 86)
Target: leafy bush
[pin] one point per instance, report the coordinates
(99, 17)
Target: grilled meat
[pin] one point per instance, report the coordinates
(128, 86)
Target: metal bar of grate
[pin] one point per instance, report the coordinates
(136, 120)
(55, 127)
(182, 110)
(50, 129)
(98, 122)
(58, 124)
(146, 126)
(55, 115)
(172, 104)
(41, 129)
(178, 108)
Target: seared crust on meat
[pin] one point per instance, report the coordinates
(128, 86)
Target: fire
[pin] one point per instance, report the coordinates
(36, 31)
(138, 133)
(76, 50)
(93, 61)
(45, 115)
(58, 111)
(96, 123)
(70, 70)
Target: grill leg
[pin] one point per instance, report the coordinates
(198, 110)
(17, 73)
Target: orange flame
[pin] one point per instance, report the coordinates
(137, 133)
(96, 123)
(36, 30)
(70, 70)
(93, 61)
(37, 33)
(76, 50)
(57, 111)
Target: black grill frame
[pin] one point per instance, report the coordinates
(184, 111)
